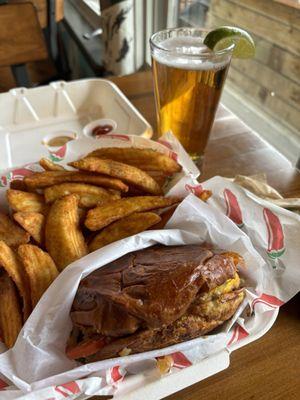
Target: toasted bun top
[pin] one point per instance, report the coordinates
(150, 287)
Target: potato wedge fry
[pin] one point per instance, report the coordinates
(40, 269)
(18, 184)
(205, 195)
(115, 192)
(125, 227)
(12, 265)
(25, 202)
(145, 159)
(49, 165)
(101, 216)
(33, 223)
(10, 311)
(127, 173)
(89, 195)
(158, 176)
(64, 240)
(49, 178)
(134, 192)
(94, 200)
(11, 233)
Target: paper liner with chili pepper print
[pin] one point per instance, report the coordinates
(194, 221)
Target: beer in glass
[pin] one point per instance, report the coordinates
(188, 82)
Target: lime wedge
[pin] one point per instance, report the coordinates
(225, 36)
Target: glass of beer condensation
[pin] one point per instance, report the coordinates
(188, 82)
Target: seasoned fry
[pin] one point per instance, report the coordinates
(49, 178)
(133, 192)
(11, 233)
(18, 184)
(89, 195)
(10, 311)
(159, 177)
(104, 215)
(205, 195)
(40, 269)
(25, 202)
(145, 159)
(12, 265)
(64, 240)
(49, 165)
(115, 192)
(33, 223)
(125, 227)
(127, 173)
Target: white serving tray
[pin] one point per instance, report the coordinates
(30, 117)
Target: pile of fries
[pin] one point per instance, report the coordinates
(60, 215)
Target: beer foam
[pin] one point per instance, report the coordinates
(182, 53)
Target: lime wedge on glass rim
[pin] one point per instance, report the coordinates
(224, 36)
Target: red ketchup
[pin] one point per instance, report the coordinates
(101, 130)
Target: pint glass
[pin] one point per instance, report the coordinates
(188, 81)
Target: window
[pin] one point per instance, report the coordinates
(90, 10)
(265, 91)
(94, 5)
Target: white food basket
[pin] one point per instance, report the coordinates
(29, 118)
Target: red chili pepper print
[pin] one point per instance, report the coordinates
(233, 208)
(115, 375)
(238, 334)
(123, 138)
(275, 234)
(3, 384)
(59, 154)
(5, 179)
(18, 173)
(180, 360)
(268, 300)
(165, 143)
(196, 189)
(172, 153)
(68, 389)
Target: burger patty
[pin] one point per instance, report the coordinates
(157, 297)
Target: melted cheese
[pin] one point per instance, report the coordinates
(226, 287)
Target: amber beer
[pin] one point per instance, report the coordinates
(188, 86)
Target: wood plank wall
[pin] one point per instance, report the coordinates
(271, 80)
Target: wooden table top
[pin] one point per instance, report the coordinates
(269, 367)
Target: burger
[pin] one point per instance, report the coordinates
(153, 298)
